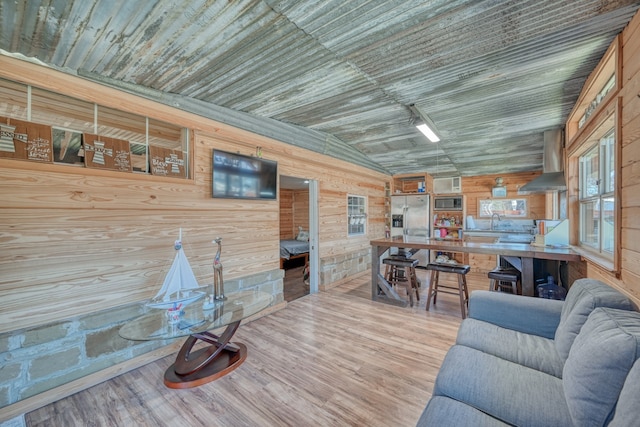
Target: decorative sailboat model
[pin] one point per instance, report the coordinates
(180, 285)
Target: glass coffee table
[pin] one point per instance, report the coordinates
(193, 368)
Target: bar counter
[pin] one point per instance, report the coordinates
(382, 291)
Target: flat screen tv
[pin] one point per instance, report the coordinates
(236, 176)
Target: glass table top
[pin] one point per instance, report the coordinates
(155, 325)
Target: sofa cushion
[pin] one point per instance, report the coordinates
(442, 411)
(512, 393)
(583, 297)
(532, 351)
(600, 359)
(535, 316)
(627, 412)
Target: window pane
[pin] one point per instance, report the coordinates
(609, 164)
(356, 215)
(168, 141)
(589, 172)
(129, 127)
(608, 224)
(13, 100)
(70, 118)
(121, 125)
(67, 147)
(590, 223)
(62, 111)
(139, 156)
(166, 135)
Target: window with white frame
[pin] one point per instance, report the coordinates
(597, 198)
(356, 215)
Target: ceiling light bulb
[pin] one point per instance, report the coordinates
(426, 130)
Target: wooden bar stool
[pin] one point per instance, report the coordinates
(505, 279)
(461, 290)
(401, 272)
(404, 255)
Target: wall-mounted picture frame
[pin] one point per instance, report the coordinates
(31, 141)
(166, 162)
(499, 192)
(101, 152)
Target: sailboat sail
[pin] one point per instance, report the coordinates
(179, 284)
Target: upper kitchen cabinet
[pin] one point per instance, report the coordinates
(425, 183)
(412, 183)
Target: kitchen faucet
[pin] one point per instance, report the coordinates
(492, 223)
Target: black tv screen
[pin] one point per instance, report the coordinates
(237, 176)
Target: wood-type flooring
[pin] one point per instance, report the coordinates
(293, 284)
(335, 358)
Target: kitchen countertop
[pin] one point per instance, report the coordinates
(501, 248)
(526, 252)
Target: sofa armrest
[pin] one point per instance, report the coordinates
(537, 316)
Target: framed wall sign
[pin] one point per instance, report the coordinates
(499, 191)
(102, 152)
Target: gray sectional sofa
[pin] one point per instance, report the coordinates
(522, 361)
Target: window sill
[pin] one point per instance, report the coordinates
(595, 258)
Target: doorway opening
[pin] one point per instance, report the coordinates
(298, 234)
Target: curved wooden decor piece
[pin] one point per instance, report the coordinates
(192, 369)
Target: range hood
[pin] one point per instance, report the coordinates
(552, 178)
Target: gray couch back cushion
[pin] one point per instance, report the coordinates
(600, 359)
(584, 296)
(628, 410)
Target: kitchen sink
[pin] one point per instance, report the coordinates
(526, 239)
(502, 236)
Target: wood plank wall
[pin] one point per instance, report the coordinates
(77, 241)
(626, 111)
(294, 212)
(286, 214)
(300, 210)
(629, 277)
(476, 188)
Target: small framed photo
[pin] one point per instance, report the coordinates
(499, 191)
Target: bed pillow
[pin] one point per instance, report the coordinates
(303, 236)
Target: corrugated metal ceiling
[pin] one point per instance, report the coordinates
(337, 77)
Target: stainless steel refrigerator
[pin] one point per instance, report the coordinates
(410, 217)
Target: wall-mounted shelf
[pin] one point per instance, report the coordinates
(452, 221)
(411, 183)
